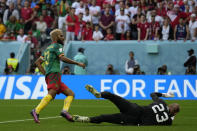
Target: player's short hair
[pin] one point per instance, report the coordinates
(54, 33)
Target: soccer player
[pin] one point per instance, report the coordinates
(157, 113)
(52, 56)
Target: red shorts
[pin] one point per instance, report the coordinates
(53, 81)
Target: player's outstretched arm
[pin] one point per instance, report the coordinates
(67, 60)
(38, 63)
(155, 95)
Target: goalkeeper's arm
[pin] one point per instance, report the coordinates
(155, 95)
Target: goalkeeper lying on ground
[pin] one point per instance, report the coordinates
(157, 113)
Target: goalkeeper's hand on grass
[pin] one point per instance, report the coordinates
(170, 94)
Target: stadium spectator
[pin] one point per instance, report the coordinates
(193, 27)
(10, 12)
(12, 63)
(109, 35)
(76, 4)
(3, 7)
(161, 10)
(87, 32)
(21, 36)
(32, 40)
(181, 31)
(63, 9)
(41, 25)
(80, 9)
(49, 21)
(71, 20)
(66, 71)
(106, 21)
(154, 29)
(126, 36)
(11, 24)
(2, 28)
(190, 62)
(129, 65)
(137, 70)
(166, 30)
(110, 70)
(95, 12)
(36, 32)
(133, 8)
(97, 34)
(80, 24)
(163, 70)
(80, 57)
(121, 6)
(9, 36)
(134, 21)
(27, 15)
(122, 24)
(143, 28)
(87, 17)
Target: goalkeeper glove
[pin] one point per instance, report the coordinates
(170, 94)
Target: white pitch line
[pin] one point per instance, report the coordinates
(14, 121)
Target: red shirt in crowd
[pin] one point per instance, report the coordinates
(109, 37)
(49, 21)
(71, 28)
(161, 12)
(26, 13)
(153, 27)
(87, 33)
(79, 27)
(143, 28)
(176, 20)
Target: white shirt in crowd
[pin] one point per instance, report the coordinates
(41, 26)
(14, 13)
(75, 5)
(165, 32)
(117, 13)
(97, 35)
(79, 10)
(21, 38)
(94, 10)
(133, 11)
(122, 21)
(131, 69)
(87, 18)
(172, 15)
(192, 28)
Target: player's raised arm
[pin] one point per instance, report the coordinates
(67, 60)
(38, 63)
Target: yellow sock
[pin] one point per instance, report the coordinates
(44, 102)
(67, 103)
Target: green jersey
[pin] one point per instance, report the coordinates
(51, 57)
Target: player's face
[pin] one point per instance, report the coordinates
(60, 38)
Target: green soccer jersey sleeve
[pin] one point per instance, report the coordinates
(59, 50)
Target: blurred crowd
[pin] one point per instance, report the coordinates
(32, 20)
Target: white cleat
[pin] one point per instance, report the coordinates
(83, 119)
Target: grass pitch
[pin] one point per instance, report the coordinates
(15, 116)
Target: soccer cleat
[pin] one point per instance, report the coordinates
(35, 116)
(93, 91)
(84, 119)
(66, 115)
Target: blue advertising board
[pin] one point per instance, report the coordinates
(127, 86)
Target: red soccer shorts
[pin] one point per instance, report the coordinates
(53, 81)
